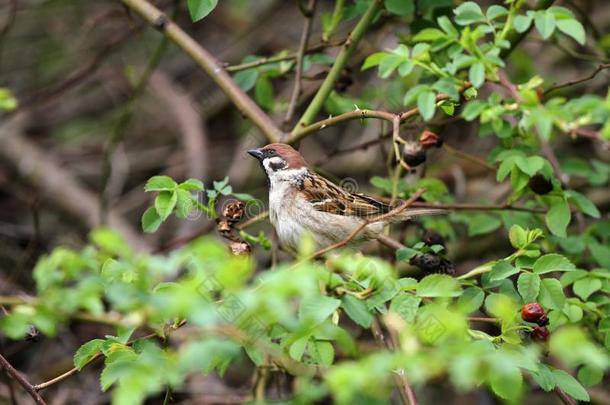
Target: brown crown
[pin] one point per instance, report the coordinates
(288, 153)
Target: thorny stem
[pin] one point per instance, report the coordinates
(296, 92)
(342, 58)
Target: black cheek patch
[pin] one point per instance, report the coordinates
(277, 166)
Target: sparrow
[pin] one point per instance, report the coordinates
(301, 201)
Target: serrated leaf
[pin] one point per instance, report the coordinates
(552, 262)
(151, 220)
(438, 285)
(528, 285)
(87, 352)
(551, 294)
(570, 385)
(317, 308)
(544, 377)
(322, 352)
(502, 270)
(476, 74)
(160, 183)
(471, 300)
(426, 103)
(165, 203)
(517, 236)
(586, 286)
(558, 217)
(405, 305)
(357, 310)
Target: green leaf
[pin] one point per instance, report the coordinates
(201, 8)
(518, 237)
(373, 60)
(165, 203)
(438, 285)
(583, 203)
(7, 101)
(184, 203)
(544, 377)
(528, 285)
(545, 23)
(506, 384)
(357, 310)
(552, 262)
(601, 253)
(317, 308)
(87, 352)
(471, 300)
(151, 220)
(570, 385)
(468, 13)
(160, 183)
(590, 376)
(473, 110)
(502, 270)
(426, 103)
(572, 28)
(558, 217)
(406, 306)
(191, 184)
(496, 11)
(551, 294)
(246, 79)
(297, 349)
(429, 35)
(402, 8)
(263, 93)
(586, 286)
(447, 26)
(522, 23)
(476, 74)
(322, 352)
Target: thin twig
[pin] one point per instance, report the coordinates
(406, 204)
(578, 81)
(296, 92)
(279, 58)
(478, 207)
(209, 64)
(565, 398)
(333, 75)
(17, 376)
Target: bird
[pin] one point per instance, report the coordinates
(303, 202)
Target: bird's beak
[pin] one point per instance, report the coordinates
(257, 153)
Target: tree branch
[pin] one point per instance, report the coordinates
(342, 58)
(209, 64)
(579, 81)
(296, 92)
(16, 375)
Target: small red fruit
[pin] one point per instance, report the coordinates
(533, 312)
(540, 333)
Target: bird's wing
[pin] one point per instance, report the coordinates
(328, 197)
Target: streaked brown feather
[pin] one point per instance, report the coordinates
(328, 197)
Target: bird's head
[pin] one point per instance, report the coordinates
(278, 158)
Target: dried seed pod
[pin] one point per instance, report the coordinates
(433, 238)
(429, 139)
